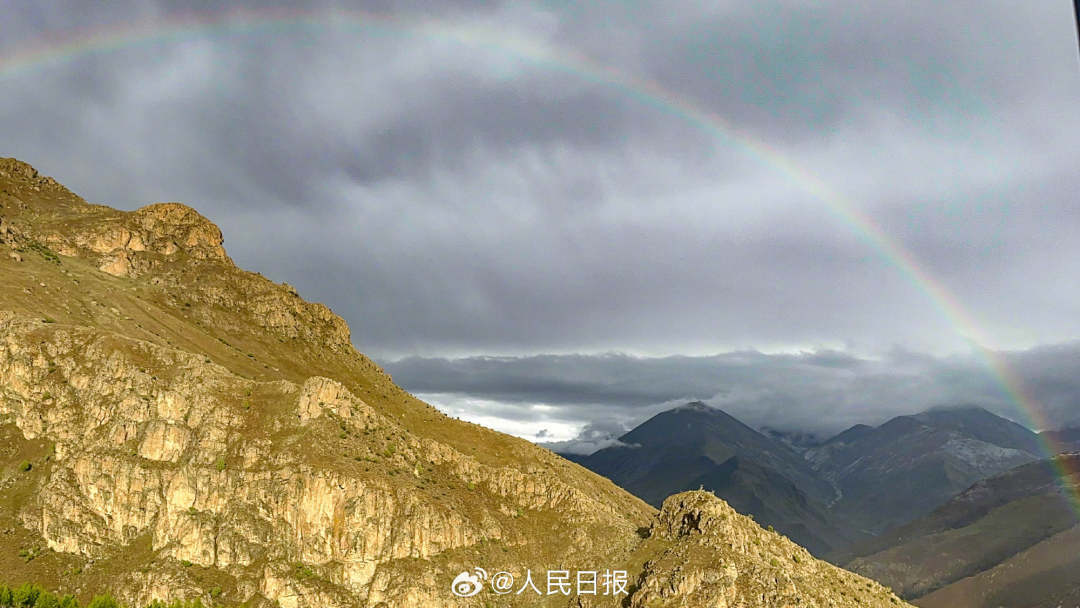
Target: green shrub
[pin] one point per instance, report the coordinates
(47, 600)
(28, 555)
(220, 464)
(195, 603)
(32, 595)
(303, 572)
(26, 595)
(25, 466)
(103, 601)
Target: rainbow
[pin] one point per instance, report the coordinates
(178, 28)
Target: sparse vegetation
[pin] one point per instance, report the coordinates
(303, 572)
(28, 554)
(103, 601)
(47, 254)
(30, 595)
(195, 603)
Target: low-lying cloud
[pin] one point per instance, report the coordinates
(820, 392)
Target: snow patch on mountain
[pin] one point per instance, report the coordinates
(982, 455)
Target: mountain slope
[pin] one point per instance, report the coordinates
(983, 527)
(699, 446)
(175, 427)
(903, 469)
(1064, 439)
(1043, 576)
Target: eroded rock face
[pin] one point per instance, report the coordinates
(14, 168)
(123, 244)
(9, 241)
(148, 444)
(718, 557)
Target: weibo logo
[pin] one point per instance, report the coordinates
(468, 584)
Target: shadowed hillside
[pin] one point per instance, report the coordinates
(993, 527)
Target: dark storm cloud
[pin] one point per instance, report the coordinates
(448, 196)
(821, 392)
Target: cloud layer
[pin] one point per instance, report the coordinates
(599, 397)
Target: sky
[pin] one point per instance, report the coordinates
(519, 211)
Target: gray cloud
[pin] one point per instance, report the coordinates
(592, 437)
(450, 195)
(820, 392)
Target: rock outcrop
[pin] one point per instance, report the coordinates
(718, 557)
(174, 427)
(140, 242)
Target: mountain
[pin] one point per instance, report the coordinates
(173, 427)
(1043, 576)
(869, 478)
(1000, 529)
(888, 475)
(799, 441)
(1064, 440)
(700, 446)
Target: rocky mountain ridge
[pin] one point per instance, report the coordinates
(176, 427)
(695, 445)
(896, 472)
(869, 478)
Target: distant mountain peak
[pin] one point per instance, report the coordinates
(958, 408)
(697, 406)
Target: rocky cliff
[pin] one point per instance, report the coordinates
(172, 426)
